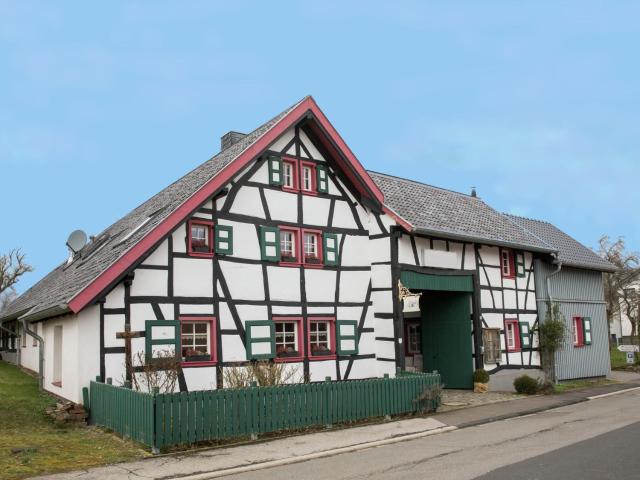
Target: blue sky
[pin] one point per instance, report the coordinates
(102, 104)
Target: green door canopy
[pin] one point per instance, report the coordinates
(449, 283)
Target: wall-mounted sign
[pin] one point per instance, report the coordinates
(411, 303)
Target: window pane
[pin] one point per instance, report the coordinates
(201, 327)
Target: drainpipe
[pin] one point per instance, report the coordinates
(40, 341)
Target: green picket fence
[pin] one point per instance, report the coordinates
(163, 420)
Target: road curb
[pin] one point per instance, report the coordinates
(313, 456)
(610, 394)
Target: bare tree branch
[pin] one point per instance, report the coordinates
(12, 267)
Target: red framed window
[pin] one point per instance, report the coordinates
(197, 341)
(507, 263)
(200, 238)
(290, 174)
(308, 177)
(321, 338)
(578, 332)
(512, 335)
(288, 338)
(312, 247)
(413, 342)
(290, 246)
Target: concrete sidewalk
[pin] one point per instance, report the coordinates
(216, 462)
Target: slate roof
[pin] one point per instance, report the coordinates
(437, 211)
(570, 251)
(61, 284)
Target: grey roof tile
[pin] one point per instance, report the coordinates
(437, 211)
(61, 284)
(570, 251)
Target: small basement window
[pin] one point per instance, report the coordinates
(200, 238)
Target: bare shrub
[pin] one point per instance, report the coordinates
(263, 372)
(161, 372)
(429, 399)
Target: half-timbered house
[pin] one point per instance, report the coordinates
(283, 247)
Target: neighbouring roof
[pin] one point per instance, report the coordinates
(61, 284)
(437, 211)
(570, 252)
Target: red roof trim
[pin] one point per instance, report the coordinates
(399, 220)
(85, 296)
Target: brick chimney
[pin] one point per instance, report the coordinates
(230, 138)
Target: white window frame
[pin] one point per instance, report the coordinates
(296, 342)
(307, 178)
(314, 243)
(288, 174)
(505, 255)
(314, 332)
(193, 336)
(284, 241)
(510, 337)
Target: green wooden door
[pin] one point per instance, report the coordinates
(446, 337)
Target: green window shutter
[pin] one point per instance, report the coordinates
(261, 339)
(322, 179)
(520, 268)
(270, 243)
(275, 170)
(161, 332)
(586, 330)
(224, 240)
(525, 335)
(330, 248)
(347, 337)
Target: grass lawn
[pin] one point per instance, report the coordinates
(576, 384)
(47, 447)
(619, 359)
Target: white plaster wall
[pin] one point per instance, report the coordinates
(29, 355)
(355, 251)
(315, 210)
(354, 285)
(200, 378)
(284, 283)
(179, 239)
(88, 347)
(319, 370)
(115, 298)
(114, 324)
(342, 215)
(244, 280)
(150, 283)
(245, 240)
(159, 255)
(247, 202)
(283, 206)
(192, 277)
(320, 285)
(282, 140)
(379, 250)
(70, 357)
(262, 174)
(315, 154)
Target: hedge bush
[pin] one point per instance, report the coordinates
(527, 385)
(481, 376)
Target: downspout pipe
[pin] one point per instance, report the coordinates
(40, 340)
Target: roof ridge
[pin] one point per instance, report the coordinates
(510, 219)
(425, 184)
(528, 218)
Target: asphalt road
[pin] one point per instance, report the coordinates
(613, 455)
(592, 440)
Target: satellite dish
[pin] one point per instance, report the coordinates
(76, 241)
